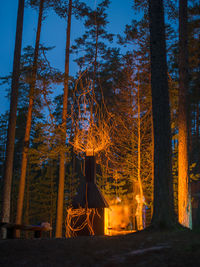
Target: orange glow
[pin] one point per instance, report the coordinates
(72, 223)
(184, 206)
(139, 211)
(117, 220)
(91, 123)
(92, 140)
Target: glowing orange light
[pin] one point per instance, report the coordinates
(117, 220)
(92, 126)
(92, 140)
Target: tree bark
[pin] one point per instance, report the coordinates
(163, 214)
(12, 116)
(152, 155)
(141, 195)
(183, 180)
(59, 218)
(197, 121)
(28, 121)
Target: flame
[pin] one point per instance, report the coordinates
(117, 220)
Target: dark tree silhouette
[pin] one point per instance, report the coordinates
(163, 214)
(29, 119)
(59, 218)
(12, 117)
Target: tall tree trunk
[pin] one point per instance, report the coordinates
(141, 195)
(12, 116)
(183, 193)
(52, 193)
(28, 121)
(59, 218)
(94, 74)
(26, 219)
(197, 121)
(163, 214)
(152, 156)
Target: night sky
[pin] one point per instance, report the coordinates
(120, 13)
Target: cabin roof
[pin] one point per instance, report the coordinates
(89, 193)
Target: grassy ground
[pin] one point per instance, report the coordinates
(147, 249)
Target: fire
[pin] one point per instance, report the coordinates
(117, 220)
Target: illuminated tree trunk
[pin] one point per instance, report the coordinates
(141, 196)
(51, 213)
(60, 201)
(26, 219)
(28, 121)
(152, 156)
(12, 117)
(163, 213)
(183, 192)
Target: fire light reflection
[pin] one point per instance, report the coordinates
(92, 126)
(117, 220)
(92, 131)
(92, 140)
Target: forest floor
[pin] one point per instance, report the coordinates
(149, 249)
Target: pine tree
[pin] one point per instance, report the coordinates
(59, 218)
(29, 118)
(12, 116)
(194, 100)
(93, 43)
(3, 135)
(137, 35)
(184, 207)
(163, 214)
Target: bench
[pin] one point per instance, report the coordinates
(12, 227)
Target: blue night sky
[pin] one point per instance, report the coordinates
(53, 33)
